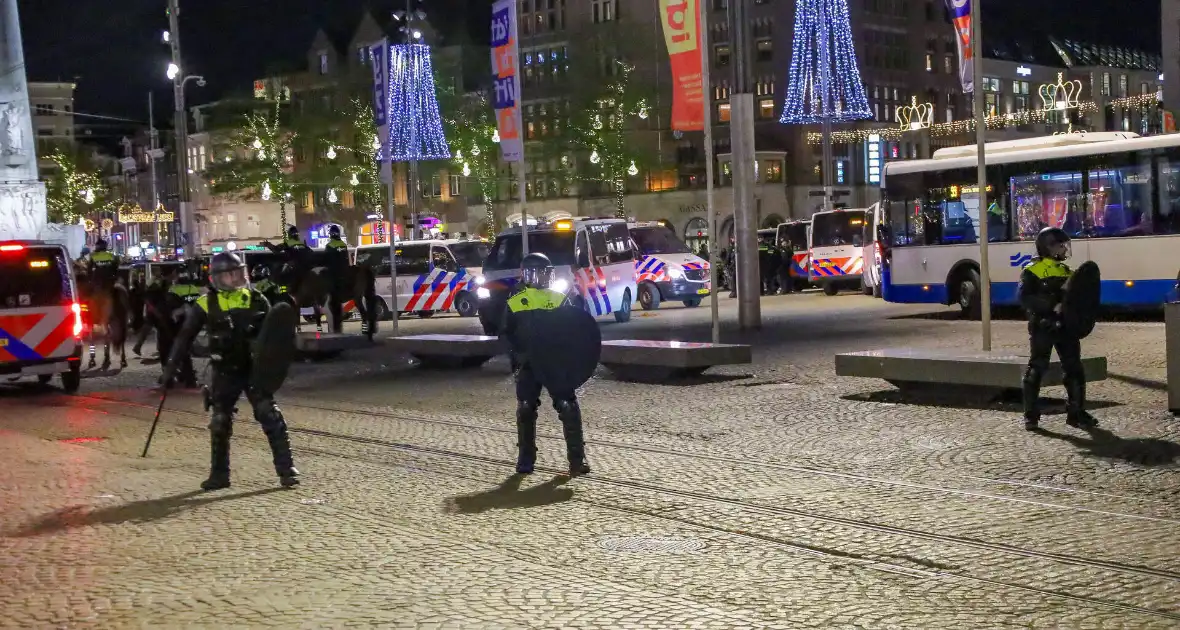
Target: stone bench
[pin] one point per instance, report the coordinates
(643, 360)
(449, 351)
(318, 345)
(1172, 336)
(936, 370)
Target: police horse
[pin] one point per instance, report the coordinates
(310, 277)
(109, 309)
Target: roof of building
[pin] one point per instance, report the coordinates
(1069, 53)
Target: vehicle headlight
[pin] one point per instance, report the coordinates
(675, 272)
(483, 293)
(560, 285)
(480, 279)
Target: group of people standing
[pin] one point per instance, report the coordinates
(775, 261)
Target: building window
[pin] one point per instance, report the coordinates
(723, 113)
(456, 184)
(948, 65)
(1106, 84)
(766, 108)
(929, 62)
(1020, 90)
(764, 50)
(364, 55)
(1143, 88)
(43, 109)
(1123, 86)
(991, 84)
(604, 11)
(773, 171)
(323, 63)
(721, 54)
(45, 132)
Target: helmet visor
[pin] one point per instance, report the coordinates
(539, 277)
(230, 280)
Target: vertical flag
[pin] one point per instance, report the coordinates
(506, 80)
(380, 56)
(683, 38)
(960, 12)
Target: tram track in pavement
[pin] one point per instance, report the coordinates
(855, 558)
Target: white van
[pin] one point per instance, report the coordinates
(837, 249)
(666, 268)
(798, 233)
(432, 276)
(594, 261)
(41, 323)
(873, 251)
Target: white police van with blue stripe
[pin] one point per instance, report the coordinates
(593, 259)
(432, 275)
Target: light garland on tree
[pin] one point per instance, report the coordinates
(824, 79)
(415, 126)
(67, 186)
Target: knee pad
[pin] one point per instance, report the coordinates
(221, 424)
(564, 407)
(527, 409)
(268, 415)
(1032, 376)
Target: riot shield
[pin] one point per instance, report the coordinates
(1083, 298)
(563, 348)
(274, 348)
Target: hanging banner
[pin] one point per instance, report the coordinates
(506, 80)
(680, 19)
(960, 12)
(380, 59)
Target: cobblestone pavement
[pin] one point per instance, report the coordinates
(775, 495)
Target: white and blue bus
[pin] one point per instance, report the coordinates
(1116, 194)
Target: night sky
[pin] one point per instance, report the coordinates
(112, 48)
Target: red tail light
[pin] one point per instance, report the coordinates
(11, 248)
(76, 308)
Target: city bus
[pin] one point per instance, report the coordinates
(1116, 194)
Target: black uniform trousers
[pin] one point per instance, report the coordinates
(528, 389)
(1041, 343)
(785, 283)
(228, 385)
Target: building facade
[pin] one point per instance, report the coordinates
(53, 119)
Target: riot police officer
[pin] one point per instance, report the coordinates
(102, 267)
(1041, 292)
(233, 315)
(529, 307)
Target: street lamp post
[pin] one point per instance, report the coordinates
(172, 38)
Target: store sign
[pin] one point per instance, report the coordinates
(139, 216)
(1023, 71)
(683, 38)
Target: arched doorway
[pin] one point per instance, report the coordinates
(726, 235)
(772, 221)
(696, 234)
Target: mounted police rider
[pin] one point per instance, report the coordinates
(234, 316)
(532, 308)
(102, 267)
(337, 251)
(1041, 293)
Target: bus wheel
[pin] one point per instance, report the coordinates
(649, 296)
(969, 298)
(831, 289)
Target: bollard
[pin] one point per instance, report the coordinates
(1172, 334)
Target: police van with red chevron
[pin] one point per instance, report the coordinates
(666, 268)
(593, 261)
(41, 322)
(432, 275)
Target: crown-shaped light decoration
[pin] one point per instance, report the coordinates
(915, 115)
(1068, 130)
(1062, 95)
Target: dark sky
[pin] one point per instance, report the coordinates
(112, 48)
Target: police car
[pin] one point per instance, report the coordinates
(666, 268)
(41, 323)
(432, 275)
(593, 260)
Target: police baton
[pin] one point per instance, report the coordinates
(159, 408)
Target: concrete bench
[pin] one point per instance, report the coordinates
(935, 370)
(319, 345)
(642, 360)
(449, 351)
(1172, 349)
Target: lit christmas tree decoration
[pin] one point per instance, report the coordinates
(331, 153)
(415, 126)
(88, 196)
(258, 143)
(266, 191)
(332, 198)
(824, 80)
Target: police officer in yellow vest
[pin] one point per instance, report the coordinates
(103, 267)
(1041, 292)
(183, 291)
(337, 251)
(530, 307)
(232, 314)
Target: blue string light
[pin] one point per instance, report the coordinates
(415, 127)
(824, 81)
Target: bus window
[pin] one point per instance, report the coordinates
(1120, 202)
(1167, 209)
(1047, 200)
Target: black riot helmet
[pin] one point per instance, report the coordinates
(100, 245)
(536, 271)
(259, 273)
(334, 231)
(227, 272)
(292, 232)
(1053, 243)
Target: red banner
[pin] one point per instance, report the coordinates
(681, 21)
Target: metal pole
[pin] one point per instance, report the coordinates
(985, 287)
(181, 126)
(155, 145)
(393, 308)
(711, 210)
(743, 157)
(413, 189)
(524, 216)
(829, 162)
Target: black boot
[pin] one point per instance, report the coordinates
(1031, 391)
(219, 465)
(575, 444)
(280, 447)
(1075, 405)
(526, 437)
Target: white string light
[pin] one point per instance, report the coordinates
(258, 143)
(633, 170)
(266, 191)
(466, 170)
(354, 181)
(331, 152)
(332, 198)
(594, 158)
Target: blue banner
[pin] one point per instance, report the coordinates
(380, 61)
(506, 80)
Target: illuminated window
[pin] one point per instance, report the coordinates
(929, 62)
(723, 113)
(766, 108)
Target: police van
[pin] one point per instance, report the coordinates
(798, 233)
(432, 275)
(666, 268)
(837, 249)
(594, 262)
(41, 322)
